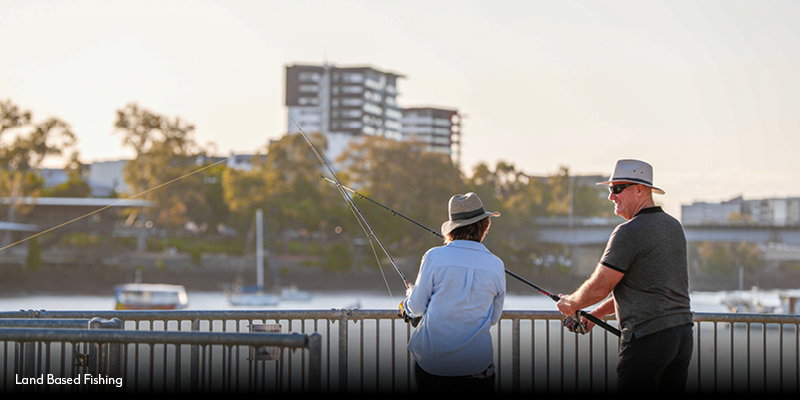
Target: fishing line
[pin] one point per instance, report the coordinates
(114, 204)
(357, 213)
(554, 297)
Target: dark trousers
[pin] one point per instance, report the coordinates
(658, 362)
(428, 383)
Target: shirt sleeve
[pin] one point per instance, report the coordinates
(619, 253)
(417, 303)
(497, 307)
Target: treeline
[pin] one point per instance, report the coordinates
(285, 182)
(304, 213)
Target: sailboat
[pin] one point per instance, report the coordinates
(257, 295)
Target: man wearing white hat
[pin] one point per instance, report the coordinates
(459, 295)
(645, 270)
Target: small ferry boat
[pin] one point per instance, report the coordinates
(150, 296)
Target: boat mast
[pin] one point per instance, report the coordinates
(259, 250)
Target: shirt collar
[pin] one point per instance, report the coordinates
(467, 244)
(650, 210)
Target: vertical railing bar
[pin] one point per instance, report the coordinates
(377, 353)
(499, 356)
(328, 368)
(591, 360)
(306, 377)
(47, 359)
(780, 356)
(561, 357)
(343, 352)
(577, 362)
(747, 364)
(5, 365)
(194, 359)
(361, 354)
(393, 325)
(515, 356)
(714, 360)
(533, 355)
(731, 363)
(409, 360)
(62, 365)
(547, 354)
(606, 368)
(764, 355)
(699, 359)
(797, 357)
(164, 359)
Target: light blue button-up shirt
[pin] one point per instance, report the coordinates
(459, 293)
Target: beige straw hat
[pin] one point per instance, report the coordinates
(634, 171)
(465, 209)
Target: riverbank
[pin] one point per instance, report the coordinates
(217, 272)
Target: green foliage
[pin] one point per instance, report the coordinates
(167, 158)
(70, 188)
(407, 179)
(286, 185)
(24, 146)
(725, 259)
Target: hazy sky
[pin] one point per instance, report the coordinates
(706, 91)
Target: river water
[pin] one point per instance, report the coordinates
(701, 302)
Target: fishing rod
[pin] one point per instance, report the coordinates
(356, 211)
(556, 298)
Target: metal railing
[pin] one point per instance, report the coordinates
(50, 353)
(365, 351)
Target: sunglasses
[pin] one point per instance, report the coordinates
(617, 189)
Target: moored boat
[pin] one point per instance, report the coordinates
(150, 296)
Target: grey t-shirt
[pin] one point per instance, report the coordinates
(650, 249)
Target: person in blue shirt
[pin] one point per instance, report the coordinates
(457, 296)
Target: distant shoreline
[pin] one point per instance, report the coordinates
(217, 273)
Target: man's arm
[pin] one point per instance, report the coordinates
(595, 289)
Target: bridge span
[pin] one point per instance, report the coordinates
(597, 234)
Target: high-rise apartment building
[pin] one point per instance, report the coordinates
(439, 128)
(346, 102)
(343, 103)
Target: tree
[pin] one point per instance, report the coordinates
(75, 186)
(520, 198)
(725, 259)
(22, 155)
(406, 178)
(285, 183)
(165, 151)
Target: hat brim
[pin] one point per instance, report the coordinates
(448, 226)
(655, 189)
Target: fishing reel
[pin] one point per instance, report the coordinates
(414, 321)
(574, 324)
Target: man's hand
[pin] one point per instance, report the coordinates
(566, 305)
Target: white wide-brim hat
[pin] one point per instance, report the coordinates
(634, 171)
(465, 209)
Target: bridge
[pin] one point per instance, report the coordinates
(587, 234)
